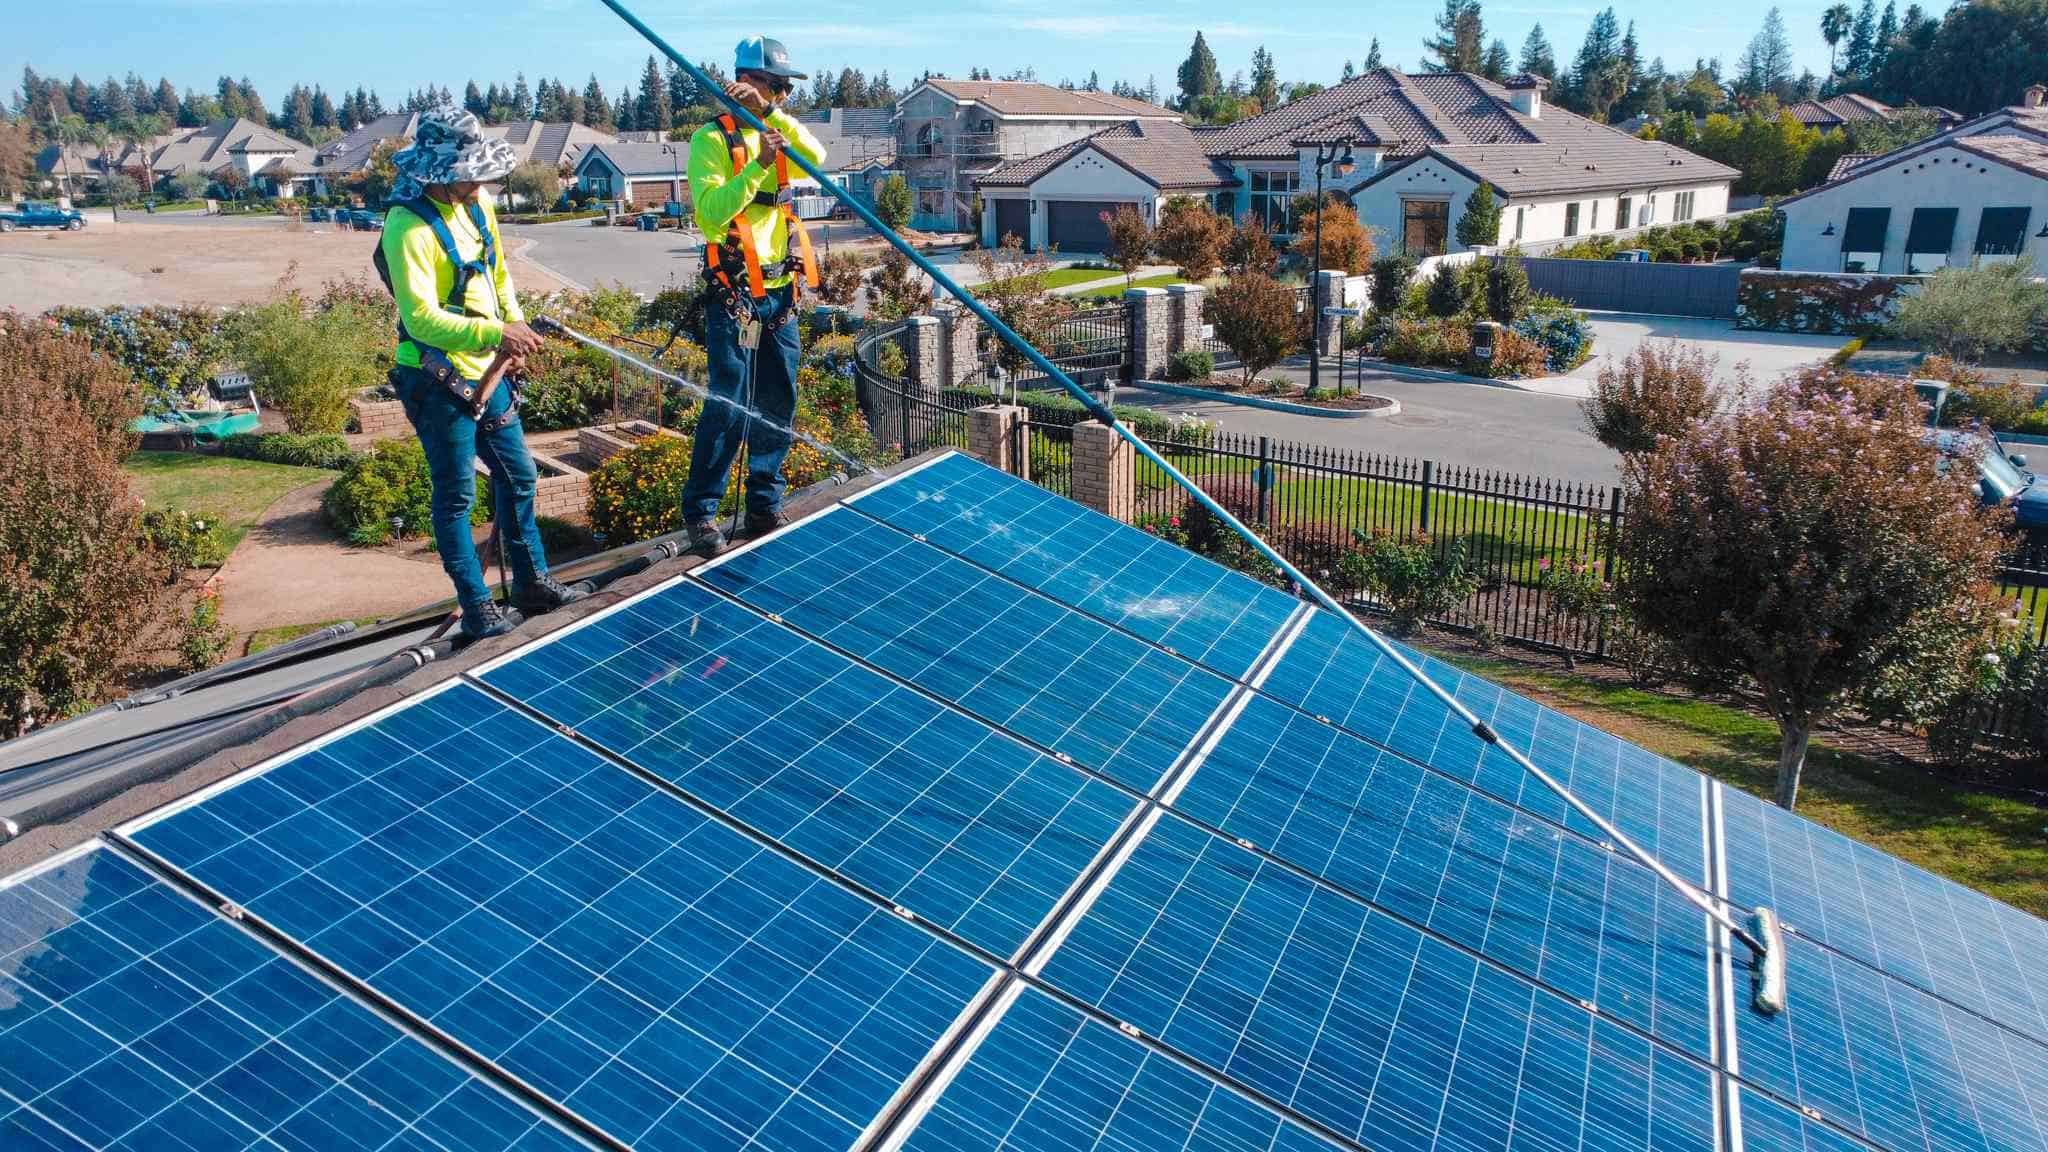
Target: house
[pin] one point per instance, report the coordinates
(952, 133)
(1856, 108)
(559, 144)
(644, 175)
(1419, 146)
(1976, 192)
(860, 146)
(260, 157)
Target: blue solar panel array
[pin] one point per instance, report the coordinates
(131, 1017)
(952, 819)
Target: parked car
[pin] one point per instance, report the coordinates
(2002, 477)
(1632, 256)
(319, 214)
(364, 220)
(40, 214)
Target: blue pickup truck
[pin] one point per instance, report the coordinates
(37, 214)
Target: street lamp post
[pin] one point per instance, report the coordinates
(1339, 152)
(675, 187)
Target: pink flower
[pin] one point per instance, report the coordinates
(1543, 565)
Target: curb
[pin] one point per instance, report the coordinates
(1391, 408)
(1415, 373)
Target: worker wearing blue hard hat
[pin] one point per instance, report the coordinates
(757, 257)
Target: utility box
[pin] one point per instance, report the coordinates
(1933, 395)
(1485, 334)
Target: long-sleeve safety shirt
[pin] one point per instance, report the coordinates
(718, 194)
(422, 276)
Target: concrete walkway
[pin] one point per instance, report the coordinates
(292, 569)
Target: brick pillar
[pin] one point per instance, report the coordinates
(1186, 312)
(961, 333)
(992, 435)
(923, 374)
(1329, 294)
(1149, 351)
(1104, 473)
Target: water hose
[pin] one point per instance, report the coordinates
(1757, 930)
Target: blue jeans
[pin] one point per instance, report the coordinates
(449, 434)
(721, 428)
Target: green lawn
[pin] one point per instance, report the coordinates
(1063, 277)
(1116, 290)
(1993, 844)
(237, 491)
(272, 637)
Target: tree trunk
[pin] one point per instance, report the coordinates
(1792, 738)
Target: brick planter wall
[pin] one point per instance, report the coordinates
(602, 442)
(563, 491)
(380, 419)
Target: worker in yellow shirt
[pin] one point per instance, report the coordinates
(741, 192)
(459, 324)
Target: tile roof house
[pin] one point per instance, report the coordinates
(1420, 144)
(1856, 108)
(950, 134)
(560, 144)
(265, 158)
(1974, 193)
(643, 174)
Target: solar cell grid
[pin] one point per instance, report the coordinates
(1077, 556)
(1019, 661)
(665, 976)
(1585, 921)
(970, 829)
(1372, 1028)
(131, 1017)
(1049, 1077)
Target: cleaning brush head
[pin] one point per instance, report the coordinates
(1767, 967)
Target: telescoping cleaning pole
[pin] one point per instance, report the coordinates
(1760, 931)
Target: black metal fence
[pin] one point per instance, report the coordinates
(1092, 346)
(1304, 311)
(898, 416)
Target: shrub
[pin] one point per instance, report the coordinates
(1249, 248)
(893, 203)
(1390, 277)
(1014, 286)
(1507, 288)
(1130, 239)
(1516, 357)
(185, 540)
(1976, 398)
(1448, 292)
(891, 360)
(1321, 550)
(1347, 244)
(1192, 236)
(390, 480)
(1479, 224)
(1963, 313)
(322, 450)
(673, 310)
(203, 637)
(1413, 578)
(1060, 408)
(1565, 336)
(170, 352)
(839, 276)
(558, 536)
(538, 184)
(1238, 495)
(1255, 319)
(1579, 596)
(308, 362)
(1659, 390)
(1427, 342)
(1691, 251)
(1191, 364)
(898, 289)
(1166, 527)
(637, 494)
(2009, 682)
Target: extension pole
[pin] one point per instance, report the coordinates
(1101, 411)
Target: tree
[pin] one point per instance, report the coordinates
(1537, 58)
(1372, 56)
(1130, 240)
(597, 111)
(1862, 40)
(1460, 38)
(538, 185)
(166, 103)
(17, 158)
(298, 117)
(1015, 287)
(1390, 277)
(1962, 313)
(898, 289)
(1449, 292)
(1834, 24)
(323, 109)
(379, 176)
(1660, 390)
(80, 585)
(1250, 248)
(1765, 67)
(307, 360)
(1596, 82)
(1495, 64)
(1887, 31)
(136, 132)
(655, 111)
(1265, 80)
(893, 203)
(1255, 319)
(1197, 75)
(1480, 223)
(1191, 236)
(1507, 288)
(1347, 244)
(1816, 477)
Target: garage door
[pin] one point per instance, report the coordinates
(651, 193)
(1078, 226)
(1013, 218)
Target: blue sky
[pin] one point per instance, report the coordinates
(392, 46)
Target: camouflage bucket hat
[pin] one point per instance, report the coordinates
(450, 147)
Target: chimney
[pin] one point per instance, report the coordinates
(1526, 93)
(2034, 94)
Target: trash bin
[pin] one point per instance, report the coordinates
(649, 222)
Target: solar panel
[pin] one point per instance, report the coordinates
(1050, 1077)
(1382, 1033)
(1048, 673)
(132, 1017)
(971, 830)
(666, 977)
(1080, 557)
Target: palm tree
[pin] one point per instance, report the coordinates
(1834, 25)
(136, 132)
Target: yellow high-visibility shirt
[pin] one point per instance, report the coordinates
(422, 276)
(717, 194)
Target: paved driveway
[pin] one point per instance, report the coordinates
(1768, 354)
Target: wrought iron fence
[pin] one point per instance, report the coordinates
(1092, 346)
(1044, 447)
(900, 417)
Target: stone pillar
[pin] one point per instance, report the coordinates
(961, 340)
(1150, 334)
(1329, 294)
(992, 435)
(923, 374)
(1104, 473)
(1186, 310)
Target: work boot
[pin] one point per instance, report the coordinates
(760, 524)
(545, 595)
(705, 539)
(487, 620)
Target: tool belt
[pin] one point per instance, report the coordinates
(724, 261)
(436, 366)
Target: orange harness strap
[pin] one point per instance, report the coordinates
(738, 237)
(796, 222)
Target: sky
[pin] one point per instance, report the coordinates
(393, 47)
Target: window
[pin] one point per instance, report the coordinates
(1273, 200)
(1571, 218)
(1649, 214)
(1519, 214)
(1621, 212)
(1425, 225)
(1932, 233)
(2001, 233)
(1681, 207)
(1863, 239)
(1224, 203)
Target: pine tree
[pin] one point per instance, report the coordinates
(323, 108)
(522, 98)
(473, 101)
(230, 98)
(1197, 75)
(1592, 81)
(1766, 65)
(1495, 64)
(656, 112)
(140, 97)
(597, 111)
(374, 108)
(1094, 83)
(1862, 42)
(1460, 38)
(1537, 58)
(682, 91)
(882, 94)
(1887, 31)
(298, 115)
(1372, 57)
(1265, 79)
(850, 91)
(166, 103)
(111, 103)
(252, 104)
(627, 110)
(78, 97)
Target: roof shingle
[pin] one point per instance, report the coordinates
(1029, 98)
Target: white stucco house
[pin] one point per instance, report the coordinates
(1419, 144)
(1973, 194)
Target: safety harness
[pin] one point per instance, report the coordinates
(723, 261)
(433, 361)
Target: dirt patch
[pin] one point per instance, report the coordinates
(199, 261)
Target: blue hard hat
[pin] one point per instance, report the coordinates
(760, 54)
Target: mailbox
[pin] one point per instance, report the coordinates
(1484, 335)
